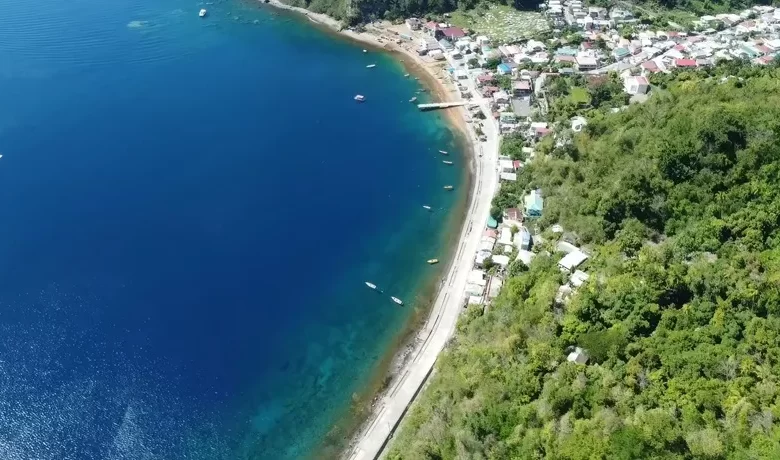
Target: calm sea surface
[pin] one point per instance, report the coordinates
(188, 211)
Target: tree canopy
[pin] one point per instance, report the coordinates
(677, 200)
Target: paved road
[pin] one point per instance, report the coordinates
(448, 305)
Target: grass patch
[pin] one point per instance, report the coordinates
(501, 23)
(579, 95)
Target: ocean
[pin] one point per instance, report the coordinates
(189, 209)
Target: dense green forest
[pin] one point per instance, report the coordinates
(677, 200)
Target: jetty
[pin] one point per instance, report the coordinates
(441, 105)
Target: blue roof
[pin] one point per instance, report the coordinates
(492, 223)
(504, 68)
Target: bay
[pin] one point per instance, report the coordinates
(189, 209)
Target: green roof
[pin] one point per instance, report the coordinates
(492, 223)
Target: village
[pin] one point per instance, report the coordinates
(512, 79)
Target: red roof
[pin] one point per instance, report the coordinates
(542, 131)
(433, 25)
(764, 49)
(679, 47)
(651, 66)
(485, 77)
(517, 164)
(586, 45)
(513, 214)
(685, 63)
(454, 32)
(766, 59)
(490, 233)
(642, 80)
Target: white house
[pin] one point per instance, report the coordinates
(636, 85)
(572, 260)
(577, 356)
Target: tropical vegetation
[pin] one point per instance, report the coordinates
(676, 201)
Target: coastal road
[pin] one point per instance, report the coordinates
(448, 304)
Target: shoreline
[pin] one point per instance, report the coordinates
(356, 436)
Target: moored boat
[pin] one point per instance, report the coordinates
(446, 162)
(433, 261)
(371, 285)
(443, 152)
(397, 300)
(424, 206)
(448, 187)
(360, 98)
(412, 99)
(202, 13)
(370, 66)
(406, 75)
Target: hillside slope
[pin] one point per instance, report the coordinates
(677, 198)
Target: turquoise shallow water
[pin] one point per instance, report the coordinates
(188, 211)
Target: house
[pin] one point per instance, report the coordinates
(620, 53)
(577, 356)
(685, 63)
(525, 256)
(522, 239)
(506, 236)
(585, 63)
(477, 277)
(495, 287)
(533, 203)
(572, 260)
(481, 257)
(503, 69)
(431, 27)
(500, 97)
(578, 278)
(521, 88)
(513, 214)
(651, 66)
(578, 123)
(453, 33)
(413, 24)
(511, 177)
(636, 85)
(501, 260)
(506, 165)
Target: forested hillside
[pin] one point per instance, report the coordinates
(356, 11)
(678, 201)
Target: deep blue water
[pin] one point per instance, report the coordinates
(188, 211)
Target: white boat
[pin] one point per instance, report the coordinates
(371, 285)
(406, 75)
(433, 261)
(370, 66)
(443, 152)
(397, 300)
(360, 98)
(446, 162)
(448, 187)
(427, 207)
(203, 13)
(412, 99)
(365, 51)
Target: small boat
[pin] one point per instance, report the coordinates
(443, 152)
(413, 99)
(365, 51)
(433, 261)
(371, 285)
(397, 300)
(360, 98)
(424, 206)
(446, 162)
(370, 66)
(202, 13)
(406, 75)
(448, 187)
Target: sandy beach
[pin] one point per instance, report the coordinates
(414, 362)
